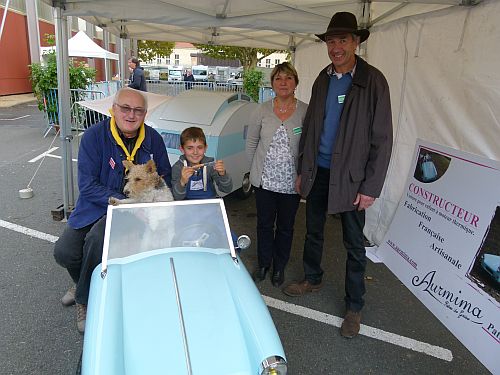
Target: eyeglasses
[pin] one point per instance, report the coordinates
(125, 109)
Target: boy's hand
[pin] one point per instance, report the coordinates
(219, 167)
(186, 173)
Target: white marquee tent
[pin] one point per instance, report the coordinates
(438, 56)
(81, 45)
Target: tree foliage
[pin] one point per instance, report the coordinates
(44, 78)
(246, 55)
(150, 49)
(252, 80)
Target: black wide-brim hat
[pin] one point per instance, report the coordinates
(344, 23)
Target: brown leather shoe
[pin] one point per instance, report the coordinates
(69, 298)
(301, 288)
(81, 317)
(350, 325)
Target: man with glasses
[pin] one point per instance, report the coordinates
(101, 175)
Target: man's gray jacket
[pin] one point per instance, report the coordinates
(364, 140)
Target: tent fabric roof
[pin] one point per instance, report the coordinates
(81, 45)
(258, 23)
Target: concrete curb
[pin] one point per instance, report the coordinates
(12, 100)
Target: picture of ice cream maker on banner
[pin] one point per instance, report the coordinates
(430, 165)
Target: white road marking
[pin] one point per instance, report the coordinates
(49, 155)
(28, 231)
(13, 119)
(375, 333)
(59, 157)
(46, 153)
(392, 338)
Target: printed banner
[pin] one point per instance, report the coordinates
(444, 244)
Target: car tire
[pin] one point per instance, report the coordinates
(246, 187)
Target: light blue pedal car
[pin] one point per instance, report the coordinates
(172, 297)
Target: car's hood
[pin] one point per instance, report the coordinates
(134, 325)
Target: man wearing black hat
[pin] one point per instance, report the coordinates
(344, 153)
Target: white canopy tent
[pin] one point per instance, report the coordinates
(437, 55)
(257, 23)
(80, 45)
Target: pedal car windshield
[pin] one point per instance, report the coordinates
(135, 229)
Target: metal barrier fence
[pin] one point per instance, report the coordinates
(176, 87)
(81, 118)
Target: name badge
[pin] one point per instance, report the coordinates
(341, 98)
(297, 131)
(196, 185)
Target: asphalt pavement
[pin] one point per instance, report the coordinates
(38, 335)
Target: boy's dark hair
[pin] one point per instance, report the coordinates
(193, 134)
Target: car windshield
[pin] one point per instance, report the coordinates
(138, 228)
(176, 73)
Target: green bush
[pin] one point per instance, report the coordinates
(44, 78)
(252, 80)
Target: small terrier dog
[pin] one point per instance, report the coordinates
(144, 185)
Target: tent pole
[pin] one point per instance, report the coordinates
(364, 22)
(123, 60)
(107, 71)
(292, 48)
(64, 92)
(33, 30)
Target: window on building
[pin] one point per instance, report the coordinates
(158, 61)
(268, 63)
(176, 59)
(277, 62)
(167, 60)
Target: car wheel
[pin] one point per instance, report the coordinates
(246, 187)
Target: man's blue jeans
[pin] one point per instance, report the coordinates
(352, 228)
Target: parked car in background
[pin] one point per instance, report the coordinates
(200, 73)
(236, 79)
(175, 73)
(173, 297)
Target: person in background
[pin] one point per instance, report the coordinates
(344, 154)
(188, 78)
(194, 175)
(101, 175)
(137, 79)
(272, 148)
(211, 81)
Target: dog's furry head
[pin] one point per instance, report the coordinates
(141, 178)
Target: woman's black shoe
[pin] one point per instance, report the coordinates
(278, 278)
(260, 274)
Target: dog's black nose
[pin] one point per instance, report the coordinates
(126, 192)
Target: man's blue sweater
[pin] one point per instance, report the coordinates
(337, 92)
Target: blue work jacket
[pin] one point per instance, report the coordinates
(100, 170)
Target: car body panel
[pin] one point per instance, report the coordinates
(134, 325)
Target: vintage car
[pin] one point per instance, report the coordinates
(491, 264)
(173, 297)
